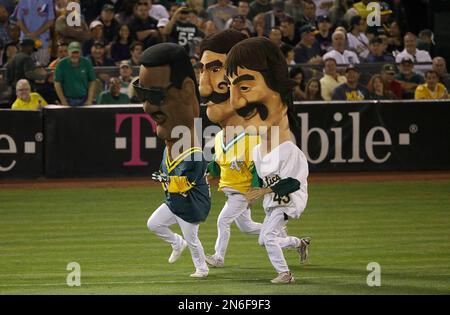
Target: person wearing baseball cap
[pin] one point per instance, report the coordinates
(96, 29)
(324, 36)
(378, 53)
(409, 79)
(126, 75)
(388, 72)
(352, 90)
(110, 25)
(75, 78)
(21, 65)
(98, 55)
(308, 50)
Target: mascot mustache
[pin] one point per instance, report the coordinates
(260, 107)
(216, 97)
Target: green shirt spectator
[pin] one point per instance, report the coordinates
(105, 98)
(75, 78)
(113, 95)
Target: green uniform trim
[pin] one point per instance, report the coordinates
(286, 186)
(213, 168)
(256, 181)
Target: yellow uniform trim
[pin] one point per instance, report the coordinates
(179, 184)
(171, 165)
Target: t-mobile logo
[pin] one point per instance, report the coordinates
(121, 142)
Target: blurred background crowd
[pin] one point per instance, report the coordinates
(332, 52)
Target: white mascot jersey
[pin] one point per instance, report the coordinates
(286, 160)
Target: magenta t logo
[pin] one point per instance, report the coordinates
(121, 142)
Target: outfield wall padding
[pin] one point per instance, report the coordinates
(109, 141)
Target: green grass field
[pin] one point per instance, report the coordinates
(403, 226)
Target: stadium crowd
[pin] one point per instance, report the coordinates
(47, 59)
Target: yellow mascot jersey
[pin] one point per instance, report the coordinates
(237, 170)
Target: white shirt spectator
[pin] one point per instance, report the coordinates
(420, 56)
(158, 12)
(348, 57)
(359, 44)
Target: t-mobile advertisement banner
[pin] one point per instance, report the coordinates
(100, 141)
(375, 136)
(21, 144)
(110, 141)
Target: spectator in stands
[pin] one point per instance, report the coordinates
(144, 27)
(243, 10)
(274, 17)
(388, 73)
(62, 52)
(98, 56)
(288, 53)
(41, 84)
(331, 79)
(9, 52)
(258, 7)
(339, 53)
(324, 36)
(323, 6)
(290, 34)
(308, 50)
(180, 30)
(120, 48)
(309, 14)
(426, 42)
(294, 8)
(440, 66)
(96, 28)
(377, 52)
(276, 35)
(408, 78)
(352, 90)
(68, 34)
(75, 78)
(35, 18)
(22, 65)
(432, 89)
(377, 90)
(298, 76)
(338, 11)
(221, 12)
(4, 26)
(110, 24)
(157, 11)
(259, 25)
(26, 100)
(126, 75)
(313, 92)
(14, 33)
(136, 50)
(357, 40)
(416, 55)
(113, 95)
(126, 13)
(381, 30)
(210, 28)
(238, 23)
(395, 39)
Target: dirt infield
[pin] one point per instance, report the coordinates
(146, 182)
